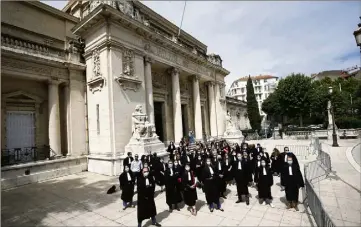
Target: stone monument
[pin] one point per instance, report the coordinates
(144, 138)
(232, 133)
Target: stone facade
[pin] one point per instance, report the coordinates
(81, 73)
(238, 112)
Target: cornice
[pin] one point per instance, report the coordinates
(105, 10)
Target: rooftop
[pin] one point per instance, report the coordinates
(259, 77)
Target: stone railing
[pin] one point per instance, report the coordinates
(31, 47)
(322, 134)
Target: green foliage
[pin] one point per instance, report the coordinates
(298, 97)
(348, 122)
(293, 95)
(252, 107)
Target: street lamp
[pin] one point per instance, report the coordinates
(357, 35)
(334, 135)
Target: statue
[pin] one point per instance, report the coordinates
(140, 124)
(229, 124)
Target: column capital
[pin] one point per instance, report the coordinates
(174, 70)
(210, 83)
(194, 77)
(148, 59)
(54, 81)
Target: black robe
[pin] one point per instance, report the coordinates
(275, 164)
(228, 176)
(284, 163)
(292, 182)
(241, 177)
(171, 150)
(198, 169)
(189, 194)
(172, 192)
(146, 205)
(264, 183)
(257, 165)
(127, 161)
(209, 181)
(127, 187)
(220, 170)
(159, 171)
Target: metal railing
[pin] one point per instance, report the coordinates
(314, 203)
(25, 155)
(314, 170)
(298, 150)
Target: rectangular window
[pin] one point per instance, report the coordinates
(98, 120)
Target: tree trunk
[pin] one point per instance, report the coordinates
(301, 121)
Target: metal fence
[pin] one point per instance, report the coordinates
(314, 203)
(314, 171)
(298, 150)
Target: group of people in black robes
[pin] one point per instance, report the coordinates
(210, 167)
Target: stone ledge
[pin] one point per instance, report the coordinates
(14, 176)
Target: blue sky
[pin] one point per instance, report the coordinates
(275, 38)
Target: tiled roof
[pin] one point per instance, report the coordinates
(260, 77)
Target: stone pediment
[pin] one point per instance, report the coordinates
(22, 96)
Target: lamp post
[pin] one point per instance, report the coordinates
(334, 135)
(357, 35)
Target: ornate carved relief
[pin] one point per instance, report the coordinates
(127, 79)
(202, 91)
(31, 47)
(96, 63)
(128, 63)
(98, 81)
(159, 80)
(184, 87)
(215, 59)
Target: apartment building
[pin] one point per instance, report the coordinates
(263, 86)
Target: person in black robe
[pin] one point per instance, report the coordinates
(198, 168)
(275, 162)
(259, 148)
(256, 169)
(146, 205)
(220, 170)
(172, 192)
(265, 182)
(248, 168)
(283, 160)
(128, 160)
(228, 177)
(293, 181)
(190, 189)
(126, 183)
(240, 176)
(171, 150)
(159, 171)
(209, 181)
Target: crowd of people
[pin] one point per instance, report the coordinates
(211, 168)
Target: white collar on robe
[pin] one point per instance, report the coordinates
(264, 171)
(171, 171)
(128, 176)
(211, 170)
(258, 163)
(239, 165)
(290, 170)
(219, 166)
(146, 181)
(189, 176)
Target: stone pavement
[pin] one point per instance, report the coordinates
(356, 154)
(340, 192)
(81, 200)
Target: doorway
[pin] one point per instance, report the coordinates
(20, 129)
(158, 119)
(185, 120)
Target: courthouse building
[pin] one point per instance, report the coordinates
(71, 79)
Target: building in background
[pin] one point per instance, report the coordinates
(263, 86)
(353, 71)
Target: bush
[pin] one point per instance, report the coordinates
(348, 123)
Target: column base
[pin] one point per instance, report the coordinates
(109, 166)
(145, 146)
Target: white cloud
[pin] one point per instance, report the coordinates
(270, 37)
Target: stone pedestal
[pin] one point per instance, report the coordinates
(276, 134)
(233, 136)
(145, 146)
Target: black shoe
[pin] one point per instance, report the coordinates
(247, 202)
(211, 209)
(156, 224)
(220, 209)
(124, 208)
(238, 201)
(177, 208)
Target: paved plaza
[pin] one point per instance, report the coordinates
(81, 200)
(340, 192)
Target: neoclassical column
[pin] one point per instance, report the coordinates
(220, 108)
(212, 109)
(54, 117)
(177, 107)
(149, 88)
(197, 109)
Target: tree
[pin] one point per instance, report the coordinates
(293, 95)
(252, 107)
(272, 108)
